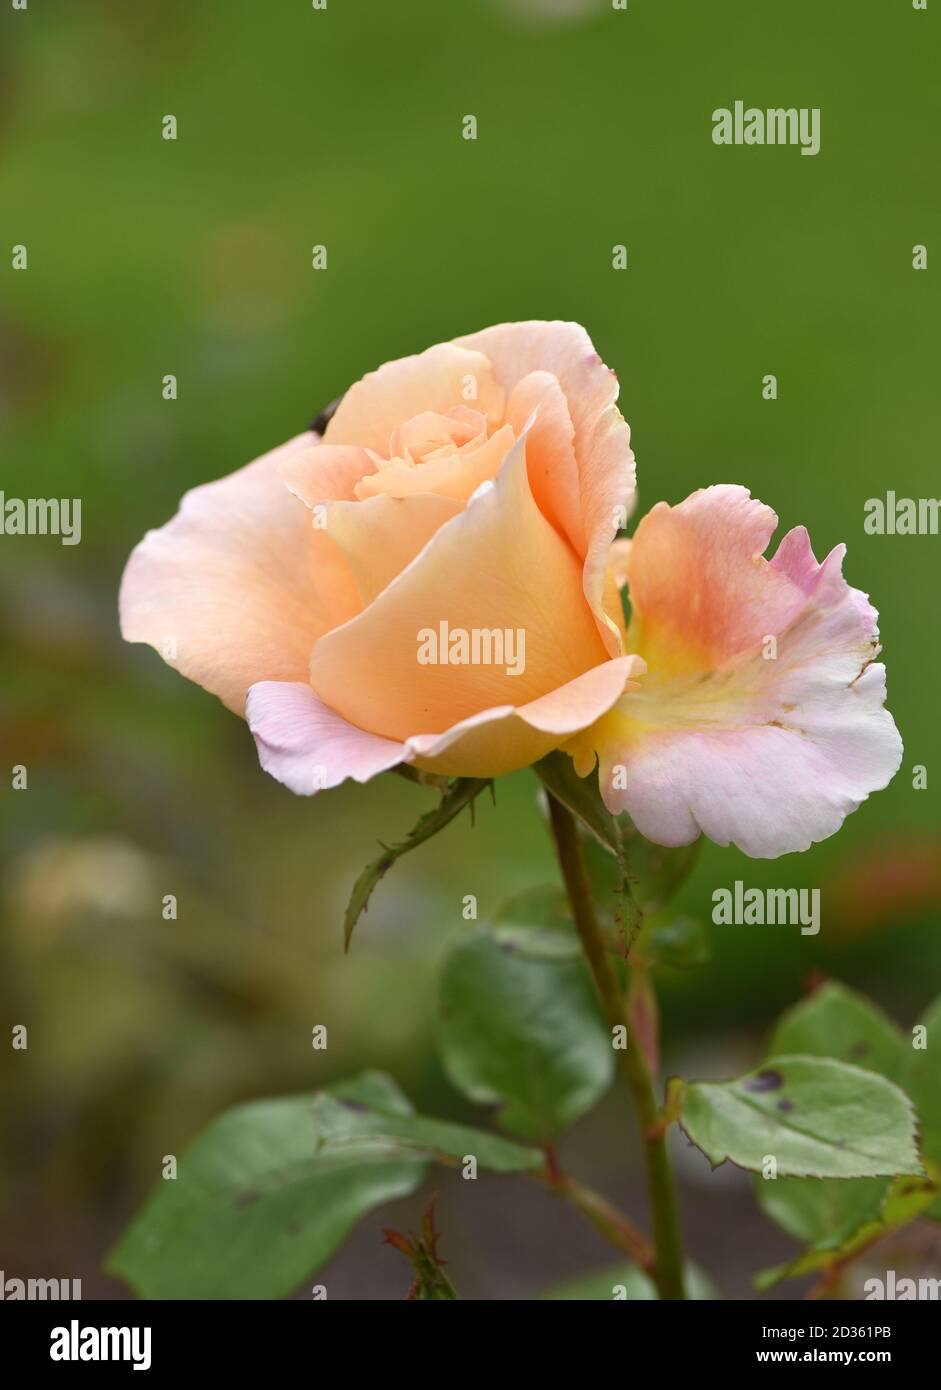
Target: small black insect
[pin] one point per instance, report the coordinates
(320, 422)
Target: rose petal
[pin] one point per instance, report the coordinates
(454, 429)
(550, 452)
(308, 746)
(458, 476)
(602, 436)
(499, 564)
(237, 587)
(382, 535)
(767, 754)
(437, 380)
(617, 562)
(700, 591)
(498, 741)
(325, 472)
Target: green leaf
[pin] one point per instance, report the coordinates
(881, 1208)
(657, 871)
(626, 1283)
(391, 1134)
(923, 1081)
(650, 875)
(461, 793)
(835, 1217)
(546, 906)
(681, 942)
(833, 1022)
(261, 1199)
(814, 1116)
(513, 925)
(270, 1190)
(522, 1031)
(837, 1022)
(822, 1212)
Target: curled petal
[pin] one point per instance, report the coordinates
(761, 721)
(617, 563)
(309, 747)
(501, 740)
(538, 402)
(601, 437)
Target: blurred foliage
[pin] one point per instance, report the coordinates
(342, 127)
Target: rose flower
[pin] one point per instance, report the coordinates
(435, 581)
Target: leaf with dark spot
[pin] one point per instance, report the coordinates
(851, 1123)
(765, 1081)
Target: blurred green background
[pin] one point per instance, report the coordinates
(192, 257)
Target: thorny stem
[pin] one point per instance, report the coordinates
(668, 1264)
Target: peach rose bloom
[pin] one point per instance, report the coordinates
(478, 485)
(478, 488)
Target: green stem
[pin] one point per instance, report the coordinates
(611, 1224)
(668, 1271)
